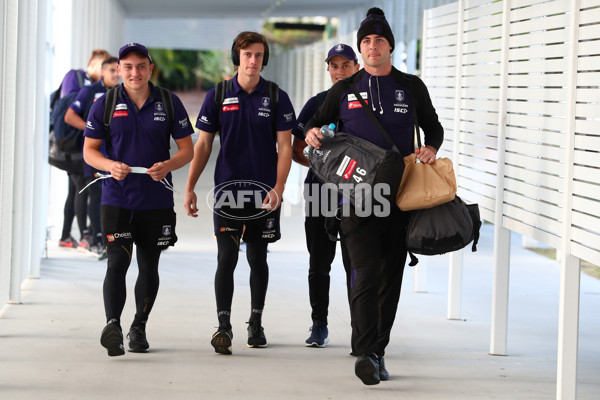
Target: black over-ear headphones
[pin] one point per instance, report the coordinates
(235, 56)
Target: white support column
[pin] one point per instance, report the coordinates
(40, 147)
(420, 279)
(8, 93)
(570, 271)
(455, 285)
(23, 183)
(456, 258)
(501, 235)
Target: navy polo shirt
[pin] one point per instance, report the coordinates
(70, 83)
(82, 104)
(86, 97)
(248, 132)
(305, 115)
(139, 138)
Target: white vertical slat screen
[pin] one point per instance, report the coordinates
(536, 112)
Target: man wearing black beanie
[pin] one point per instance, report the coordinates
(376, 242)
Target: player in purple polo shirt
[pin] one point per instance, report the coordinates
(252, 167)
(137, 202)
(376, 244)
(72, 82)
(341, 63)
(76, 116)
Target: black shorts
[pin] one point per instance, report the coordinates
(232, 221)
(121, 226)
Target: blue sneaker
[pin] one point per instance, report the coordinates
(319, 335)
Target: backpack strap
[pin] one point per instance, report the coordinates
(220, 89)
(273, 91)
(80, 78)
(167, 100)
(110, 104)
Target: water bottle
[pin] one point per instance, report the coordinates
(327, 131)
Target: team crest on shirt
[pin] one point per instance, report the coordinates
(270, 223)
(399, 95)
(158, 106)
(166, 230)
(266, 101)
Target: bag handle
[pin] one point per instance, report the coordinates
(373, 117)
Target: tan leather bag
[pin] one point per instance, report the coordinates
(425, 185)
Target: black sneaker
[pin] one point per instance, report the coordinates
(383, 373)
(137, 339)
(367, 369)
(256, 335)
(112, 338)
(221, 341)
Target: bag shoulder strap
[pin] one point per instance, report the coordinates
(80, 75)
(273, 90)
(110, 104)
(373, 117)
(167, 100)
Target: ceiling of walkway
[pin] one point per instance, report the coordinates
(237, 8)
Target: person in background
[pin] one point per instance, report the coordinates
(341, 63)
(75, 205)
(137, 202)
(255, 119)
(376, 243)
(76, 116)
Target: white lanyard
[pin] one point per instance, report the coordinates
(134, 170)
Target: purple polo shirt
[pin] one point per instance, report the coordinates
(248, 132)
(70, 83)
(82, 104)
(139, 138)
(86, 97)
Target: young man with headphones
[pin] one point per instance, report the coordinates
(250, 174)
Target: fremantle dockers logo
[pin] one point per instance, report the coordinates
(339, 48)
(266, 101)
(270, 223)
(159, 106)
(400, 95)
(166, 230)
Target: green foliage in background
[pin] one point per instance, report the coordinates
(189, 69)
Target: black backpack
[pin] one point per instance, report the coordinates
(110, 105)
(65, 141)
(224, 86)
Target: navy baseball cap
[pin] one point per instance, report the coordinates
(129, 47)
(342, 50)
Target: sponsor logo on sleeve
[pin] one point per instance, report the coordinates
(288, 117)
(184, 123)
(77, 104)
(88, 125)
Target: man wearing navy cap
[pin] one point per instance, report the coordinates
(376, 243)
(255, 119)
(137, 202)
(341, 63)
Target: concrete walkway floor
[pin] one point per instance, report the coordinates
(49, 344)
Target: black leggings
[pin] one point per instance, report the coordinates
(227, 258)
(75, 205)
(146, 286)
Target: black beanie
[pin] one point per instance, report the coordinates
(375, 24)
